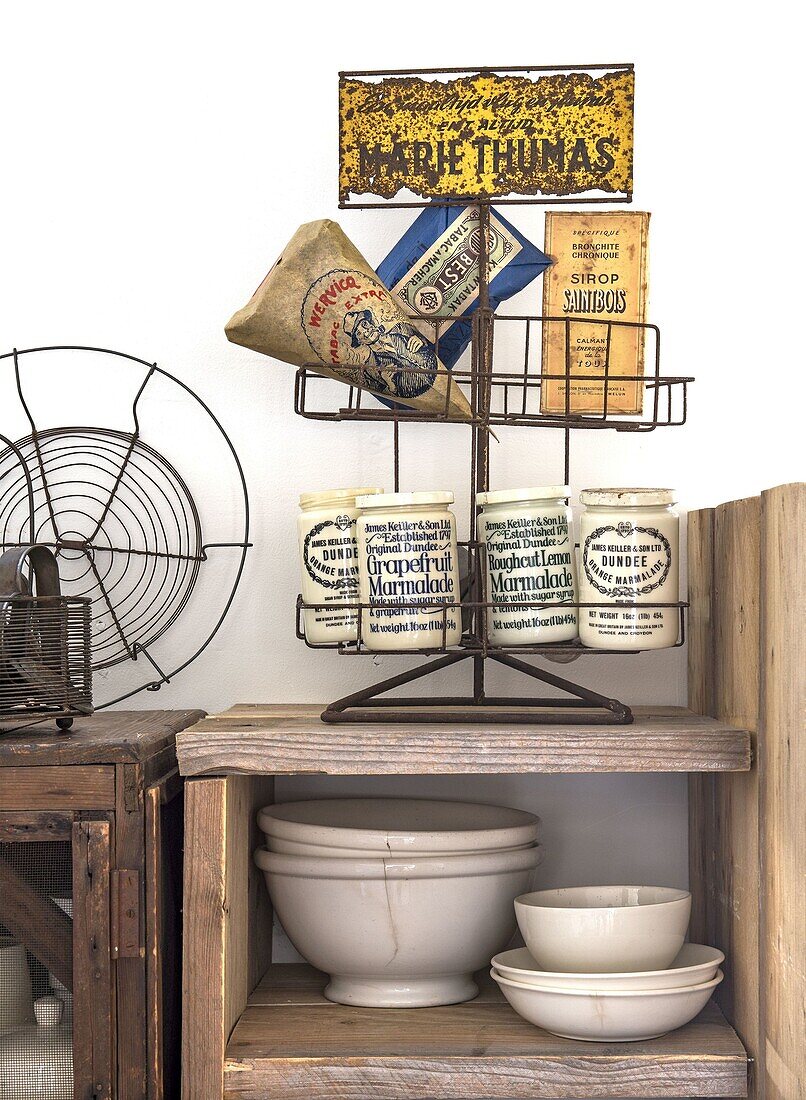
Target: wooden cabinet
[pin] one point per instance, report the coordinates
(90, 865)
(252, 1031)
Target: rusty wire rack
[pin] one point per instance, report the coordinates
(512, 396)
(498, 397)
(515, 393)
(474, 636)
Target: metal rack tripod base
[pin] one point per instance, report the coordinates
(580, 705)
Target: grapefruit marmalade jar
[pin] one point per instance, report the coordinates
(408, 570)
(629, 553)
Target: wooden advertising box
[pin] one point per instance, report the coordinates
(598, 280)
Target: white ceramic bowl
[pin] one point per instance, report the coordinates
(397, 826)
(398, 933)
(695, 964)
(620, 1016)
(604, 929)
(299, 848)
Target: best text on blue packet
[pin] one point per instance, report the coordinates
(433, 269)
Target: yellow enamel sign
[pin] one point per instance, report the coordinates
(487, 135)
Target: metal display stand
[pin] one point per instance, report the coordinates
(497, 398)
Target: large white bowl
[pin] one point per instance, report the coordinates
(299, 848)
(397, 826)
(398, 933)
(620, 1016)
(695, 964)
(604, 929)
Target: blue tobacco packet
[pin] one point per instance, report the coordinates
(433, 269)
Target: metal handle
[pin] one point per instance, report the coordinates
(13, 581)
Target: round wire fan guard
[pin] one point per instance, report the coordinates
(160, 569)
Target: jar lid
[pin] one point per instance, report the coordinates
(509, 496)
(397, 500)
(627, 498)
(334, 496)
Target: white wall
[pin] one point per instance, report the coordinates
(158, 157)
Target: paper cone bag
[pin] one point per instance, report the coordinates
(323, 306)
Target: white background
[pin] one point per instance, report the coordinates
(157, 158)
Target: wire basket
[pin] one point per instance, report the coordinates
(45, 666)
(45, 657)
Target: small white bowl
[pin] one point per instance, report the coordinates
(604, 929)
(619, 1016)
(695, 964)
(396, 826)
(398, 932)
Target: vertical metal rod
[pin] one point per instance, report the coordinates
(483, 367)
(396, 446)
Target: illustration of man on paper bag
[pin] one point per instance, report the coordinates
(400, 361)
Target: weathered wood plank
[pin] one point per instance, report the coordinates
(131, 970)
(700, 555)
(733, 879)
(297, 742)
(782, 812)
(155, 944)
(227, 933)
(108, 737)
(249, 928)
(93, 1003)
(36, 825)
(204, 938)
(304, 1047)
(84, 787)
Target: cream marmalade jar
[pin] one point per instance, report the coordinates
(528, 544)
(629, 547)
(329, 560)
(407, 555)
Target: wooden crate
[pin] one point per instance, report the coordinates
(109, 792)
(258, 1032)
(747, 666)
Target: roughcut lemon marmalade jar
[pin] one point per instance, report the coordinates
(629, 551)
(408, 564)
(329, 560)
(528, 545)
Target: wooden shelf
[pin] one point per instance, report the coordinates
(290, 738)
(291, 1043)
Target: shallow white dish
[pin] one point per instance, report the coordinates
(299, 848)
(604, 929)
(398, 933)
(399, 825)
(695, 964)
(619, 1016)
